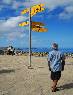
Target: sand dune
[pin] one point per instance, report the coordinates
(17, 79)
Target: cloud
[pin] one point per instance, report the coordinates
(16, 35)
(7, 1)
(17, 4)
(52, 4)
(10, 30)
(13, 21)
(17, 39)
(67, 13)
(69, 9)
(11, 24)
(1, 6)
(37, 41)
(11, 1)
(13, 4)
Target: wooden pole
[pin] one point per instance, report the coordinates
(30, 37)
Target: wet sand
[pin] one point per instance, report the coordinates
(17, 79)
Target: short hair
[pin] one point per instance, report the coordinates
(55, 46)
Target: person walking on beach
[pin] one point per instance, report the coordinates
(56, 62)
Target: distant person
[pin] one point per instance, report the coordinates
(56, 62)
(10, 50)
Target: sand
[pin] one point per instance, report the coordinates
(17, 79)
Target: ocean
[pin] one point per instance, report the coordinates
(64, 50)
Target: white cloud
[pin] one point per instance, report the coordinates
(17, 39)
(11, 24)
(17, 4)
(51, 4)
(67, 13)
(10, 30)
(1, 6)
(13, 21)
(48, 3)
(13, 3)
(69, 9)
(16, 35)
(7, 1)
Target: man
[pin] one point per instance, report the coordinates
(56, 61)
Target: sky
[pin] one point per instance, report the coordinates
(57, 17)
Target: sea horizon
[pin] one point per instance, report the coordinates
(45, 49)
(40, 49)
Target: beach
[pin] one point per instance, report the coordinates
(17, 79)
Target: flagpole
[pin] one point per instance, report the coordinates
(29, 36)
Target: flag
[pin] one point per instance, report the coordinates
(34, 9)
(32, 23)
(37, 8)
(35, 26)
(39, 29)
(23, 23)
(37, 23)
(25, 11)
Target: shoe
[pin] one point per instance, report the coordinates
(55, 89)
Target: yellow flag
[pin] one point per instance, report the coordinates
(35, 26)
(37, 23)
(34, 9)
(32, 23)
(39, 29)
(37, 8)
(25, 11)
(23, 23)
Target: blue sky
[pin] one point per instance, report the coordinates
(57, 17)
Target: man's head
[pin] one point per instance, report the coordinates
(55, 46)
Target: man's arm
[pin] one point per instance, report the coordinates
(48, 59)
(63, 62)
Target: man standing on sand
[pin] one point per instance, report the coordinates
(56, 62)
